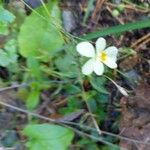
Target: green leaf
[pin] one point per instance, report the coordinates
(4, 59)
(40, 36)
(35, 87)
(93, 105)
(47, 137)
(8, 56)
(6, 16)
(33, 99)
(10, 48)
(99, 84)
(118, 29)
(110, 147)
(90, 7)
(34, 68)
(3, 28)
(67, 64)
(72, 89)
(72, 106)
(88, 144)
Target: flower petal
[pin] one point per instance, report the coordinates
(86, 49)
(112, 52)
(100, 44)
(98, 67)
(88, 67)
(111, 63)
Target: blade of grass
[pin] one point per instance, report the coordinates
(118, 29)
(89, 8)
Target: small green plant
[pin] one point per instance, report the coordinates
(41, 55)
(5, 19)
(47, 137)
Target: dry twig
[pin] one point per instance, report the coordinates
(99, 4)
(143, 40)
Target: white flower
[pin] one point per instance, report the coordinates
(97, 57)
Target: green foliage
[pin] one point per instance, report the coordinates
(33, 99)
(3, 28)
(34, 94)
(34, 68)
(67, 65)
(39, 39)
(110, 148)
(6, 16)
(4, 59)
(118, 29)
(51, 67)
(8, 56)
(47, 137)
(88, 144)
(72, 89)
(89, 9)
(97, 109)
(40, 36)
(36, 76)
(99, 84)
(72, 106)
(5, 19)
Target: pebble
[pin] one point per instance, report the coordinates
(68, 20)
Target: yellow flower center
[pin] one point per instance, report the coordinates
(102, 56)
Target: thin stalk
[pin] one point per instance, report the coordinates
(122, 90)
(89, 109)
(46, 10)
(85, 100)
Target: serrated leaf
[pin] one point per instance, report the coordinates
(4, 59)
(48, 137)
(6, 16)
(8, 55)
(40, 36)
